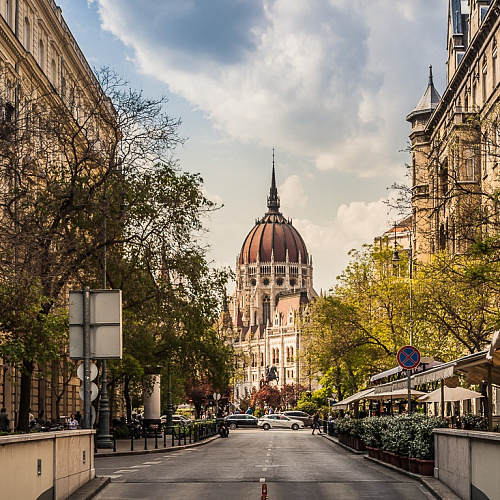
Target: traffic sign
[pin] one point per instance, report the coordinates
(408, 357)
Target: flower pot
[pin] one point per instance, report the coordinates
(394, 459)
(384, 455)
(425, 467)
(373, 452)
(405, 463)
(414, 465)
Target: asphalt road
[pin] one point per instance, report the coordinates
(293, 465)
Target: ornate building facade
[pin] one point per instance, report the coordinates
(455, 138)
(274, 285)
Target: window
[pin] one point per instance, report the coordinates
(484, 79)
(8, 8)
(53, 72)
(266, 309)
(27, 34)
(41, 54)
(494, 64)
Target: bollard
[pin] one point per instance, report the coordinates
(114, 439)
(264, 491)
(145, 438)
(132, 439)
(156, 437)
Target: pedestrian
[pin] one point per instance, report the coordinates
(78, 417)
(249, 411)
(316, 423)
(72, 422)
(4, 420)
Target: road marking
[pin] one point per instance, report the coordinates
(262, 479)
(140, 466)
(264, 469)
(269, 449)
(267, 461)
(124, 470)
(152, 463)
(268, 455)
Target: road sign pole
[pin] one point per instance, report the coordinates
(86, 359)
(409, 391)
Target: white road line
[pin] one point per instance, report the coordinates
(125, 470)
(264, 469)
(140, 466)
(262, 479)
(267, 461)
(268, 455)
(152, 463)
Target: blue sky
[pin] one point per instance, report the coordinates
(327, 83)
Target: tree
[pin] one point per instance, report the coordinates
(91, 186)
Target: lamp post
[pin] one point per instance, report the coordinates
(395, 260)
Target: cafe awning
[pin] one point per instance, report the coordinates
(342, 405)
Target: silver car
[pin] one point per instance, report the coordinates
(279, 421)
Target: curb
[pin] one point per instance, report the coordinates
(433, 485)
(91, 489)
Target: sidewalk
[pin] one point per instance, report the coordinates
(435, 486)
(93, 487)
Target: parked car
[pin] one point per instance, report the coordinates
(177, 420)
(241, 420)
(299, 415)
(279, 421)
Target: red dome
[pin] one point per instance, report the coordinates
(273, 234)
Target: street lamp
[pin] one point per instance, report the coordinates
(396, 259)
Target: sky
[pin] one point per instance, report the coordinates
(327, 84)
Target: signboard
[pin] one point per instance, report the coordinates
(105, 324)
(408, 357)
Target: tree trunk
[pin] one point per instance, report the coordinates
(126, 395)
(25, 396)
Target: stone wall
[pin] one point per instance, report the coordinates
(46, 465)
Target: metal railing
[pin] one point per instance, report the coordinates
(157, 436)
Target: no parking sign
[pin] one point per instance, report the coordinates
(408, 357)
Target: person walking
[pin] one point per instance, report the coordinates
(4, 420)
(316, 423)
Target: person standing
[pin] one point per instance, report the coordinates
(72, 422)
(4, 420)
(316, 423)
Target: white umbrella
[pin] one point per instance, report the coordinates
(450, 394)
(397, 394)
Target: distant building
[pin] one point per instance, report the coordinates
(274, 285)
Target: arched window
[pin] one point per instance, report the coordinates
(8, 8)
(266, 309)
(27, 34)
(41, 54)
(277, 356)
(53, 72)
(291, 355)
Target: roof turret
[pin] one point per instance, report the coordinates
(428, 102)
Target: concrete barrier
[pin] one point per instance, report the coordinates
(46, 465)
(467, 462)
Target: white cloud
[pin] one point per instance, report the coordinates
(354, 225)
(292, 194)
(331, 80)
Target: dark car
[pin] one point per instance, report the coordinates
(241, 420)
(299, 415)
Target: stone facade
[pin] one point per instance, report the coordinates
(274, 285)
(41, 65)
(455, 138)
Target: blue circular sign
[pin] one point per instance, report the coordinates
(408, 357)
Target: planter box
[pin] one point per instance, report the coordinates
(405, 463)
(384, 456)
(394, 459)
(414, 466)
(425, 467)
(373, 452)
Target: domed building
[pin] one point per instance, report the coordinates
(274, 285)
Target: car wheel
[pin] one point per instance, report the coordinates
(232, 426)
(295, 427)
(266, 427)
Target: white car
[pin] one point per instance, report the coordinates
(279, 421)
(177, 420)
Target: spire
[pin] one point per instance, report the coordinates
(428, 102)
(273, 200)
